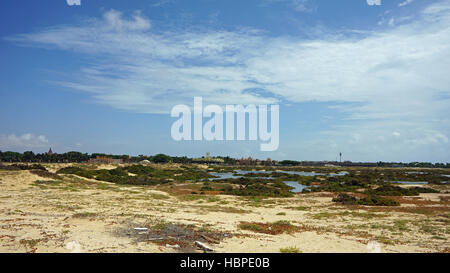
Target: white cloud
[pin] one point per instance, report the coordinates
(428, 138)
(373, 2)
(391, 22)
(442, 7)
(404, 3)
(162, 3)
(144, 71)
(371, 141)
(73, 2)
(385, 81)
(301, 5)
(23, 141)
(113, 19)
(297, 5)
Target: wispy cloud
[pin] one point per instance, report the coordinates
(141, 67)
(394, 76)
(373, 2)
(73, 2)
(149, 72)
(297, 5)
(301, 5)
(160, 3)
(24, 141)
(405, 3)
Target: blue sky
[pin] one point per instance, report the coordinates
(370, 81)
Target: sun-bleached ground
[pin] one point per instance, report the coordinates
(82, 215)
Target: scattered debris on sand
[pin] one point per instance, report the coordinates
(180, 237)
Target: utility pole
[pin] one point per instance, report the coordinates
(340, 157)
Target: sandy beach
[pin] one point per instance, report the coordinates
(77, 214)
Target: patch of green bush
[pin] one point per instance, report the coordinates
(21, 167)
(256, 187)
(390, 190)
(375, 200)
(345, 199)
(291, 249)
(370, 200)
(45, 174)
(251, 226)
(144, 175)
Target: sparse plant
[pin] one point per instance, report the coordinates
(291, 249)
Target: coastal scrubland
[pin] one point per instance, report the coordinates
(171, 207)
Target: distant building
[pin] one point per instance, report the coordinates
(50, 152)
(105, 160)
(208, 159)
(270, 162)
(255, 162)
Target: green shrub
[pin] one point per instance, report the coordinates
(370, 200)
(250, 226)
(18, 167)
(45, 174)
(257, 187)
(290, 249)
(345, 199)
(375, 200)
(390, 190)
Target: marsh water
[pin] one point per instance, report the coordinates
(241, 173)
(236, 174)
(296, 186)
(410, 182)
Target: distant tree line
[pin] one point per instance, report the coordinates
(365, 164)
(77, 157)
(290, 163)
(29, 156)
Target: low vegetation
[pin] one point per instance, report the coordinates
(138, 174)
(389, 190)
(254, 187)
(274, 228)
(291, 249)
(84, 215)
(370, 200)
(19, 167)
(45, 174)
